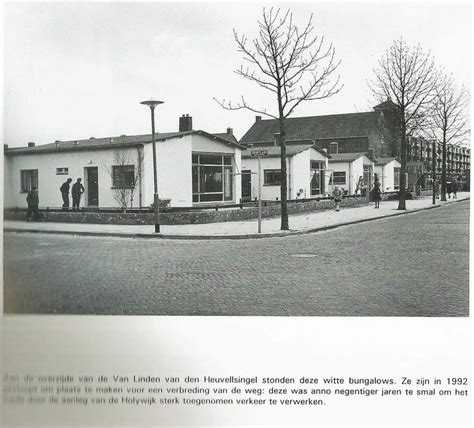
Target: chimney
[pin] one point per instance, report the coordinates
(230, 131)
(185, 123)
(258, 118)
(31, 144)
(370, 154)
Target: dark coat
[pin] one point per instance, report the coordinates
(64, 188)
(376, 191)
(32, 198)
(77, 189)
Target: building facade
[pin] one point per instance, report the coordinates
(306, 168)
(194, 168)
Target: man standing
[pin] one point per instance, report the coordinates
(33, 201)
(64, 189)
(76, 192)
(337, 194)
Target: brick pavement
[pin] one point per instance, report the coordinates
(411, 265)
(298, 224)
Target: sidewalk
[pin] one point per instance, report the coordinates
(305, 223)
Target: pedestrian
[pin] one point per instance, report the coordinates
(449, 188)
(33, 201)
(455, 189)
(64, 189)
(337, 195)
(76, 192)
(437, 188)
(418, 190)
(376, 193)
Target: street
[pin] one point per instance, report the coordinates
(411, 265)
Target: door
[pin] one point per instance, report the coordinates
(92, 186)
(246, 185)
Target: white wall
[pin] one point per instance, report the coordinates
(300, 169)
(298, 174)
(268, 192)
(49, 182)
(203, 144)
(341, 167)
(386, 174)
(353, 171)
(174, 171)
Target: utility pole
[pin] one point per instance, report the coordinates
(152, 104)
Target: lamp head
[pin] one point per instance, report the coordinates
(151, 103)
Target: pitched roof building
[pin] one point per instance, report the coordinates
(337, 133)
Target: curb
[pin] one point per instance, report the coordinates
(221, 237)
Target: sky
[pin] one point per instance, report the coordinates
(76, 70)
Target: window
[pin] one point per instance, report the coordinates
(272, 177)
(338, 178)
(29, 179)
(333, 148)
(396, 178)
(317, 178)
(212, 177)
(123, 176)
(368, 175)
(62, 171)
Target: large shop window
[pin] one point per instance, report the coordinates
(123, 176)
(212, 178)
(29, 179)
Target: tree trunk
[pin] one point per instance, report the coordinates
(403, 168)
(284, 181)
(443, 169)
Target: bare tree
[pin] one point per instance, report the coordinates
(295, 65)
(127, 175)
(449, 120)
(407, 77)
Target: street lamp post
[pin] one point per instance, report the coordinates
(152, 104)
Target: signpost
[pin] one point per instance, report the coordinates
(258, 154)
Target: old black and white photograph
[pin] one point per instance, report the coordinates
(237, 159)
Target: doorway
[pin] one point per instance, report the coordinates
(246, 185)
(92, 186)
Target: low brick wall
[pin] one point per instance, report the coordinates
(184, 217)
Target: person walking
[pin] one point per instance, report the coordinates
(64, 189)
(76, 192)
(449, 188)
(33, 201)
(376, 193)
(437, 188)
(337, 195)
(455, 189)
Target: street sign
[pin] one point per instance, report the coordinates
(258, 153)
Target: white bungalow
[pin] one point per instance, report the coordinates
(351, 171)
(388, 173)
(306, 167)
(193, 168)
